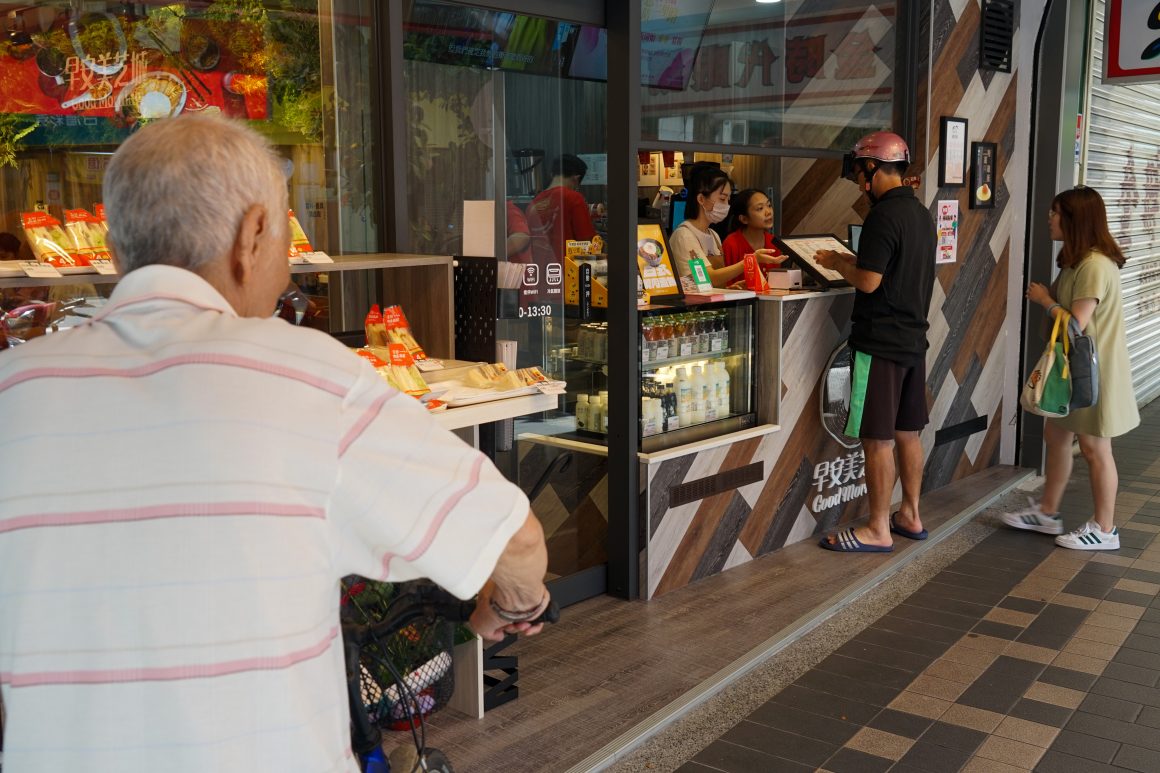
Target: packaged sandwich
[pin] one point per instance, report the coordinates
(403, 375)
(398, 369)
(49, 242)
(496, 376)
(485, 376)
(298, 240)
(88, 238)
(372, 358)
(99, 214)
(399, 331)
(375, 330)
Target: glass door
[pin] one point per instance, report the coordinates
(501, 110)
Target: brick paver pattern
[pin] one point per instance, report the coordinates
(1018, 656)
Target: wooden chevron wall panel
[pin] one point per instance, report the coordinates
(965, 363)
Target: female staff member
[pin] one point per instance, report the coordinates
(750, 223)
(708, 203)
(1088, 289)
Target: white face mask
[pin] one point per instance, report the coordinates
(719, 212)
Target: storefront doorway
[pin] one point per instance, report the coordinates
(503, 108)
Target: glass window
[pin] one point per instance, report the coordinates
(77, 81)
(74, 83)
(787, 74)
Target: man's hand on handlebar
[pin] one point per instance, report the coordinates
(488, 624)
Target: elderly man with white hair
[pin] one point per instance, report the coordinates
(188, 478)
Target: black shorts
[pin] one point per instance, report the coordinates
(886, 397)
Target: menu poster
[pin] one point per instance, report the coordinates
(947, 225)
(671, 173)
(654, 262)
(802, 250)
(648, 175)
(91, 76)
(953, 147)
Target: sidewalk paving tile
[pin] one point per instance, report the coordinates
(1017, 753)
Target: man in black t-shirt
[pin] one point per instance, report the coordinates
(894, 277)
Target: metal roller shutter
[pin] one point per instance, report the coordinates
(1122, 162)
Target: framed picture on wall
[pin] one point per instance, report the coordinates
(983, 157)
(952, 143)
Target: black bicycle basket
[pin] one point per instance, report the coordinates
(404, 660)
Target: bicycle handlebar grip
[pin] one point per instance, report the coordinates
(551, 614)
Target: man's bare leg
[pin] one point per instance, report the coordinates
(880, 477)
(910, 463)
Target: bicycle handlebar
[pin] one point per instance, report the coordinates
(427, 601)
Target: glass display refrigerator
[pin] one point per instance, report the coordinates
(696, 366)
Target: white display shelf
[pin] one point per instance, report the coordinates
(567, 444)
(684, 358)
(496, 410)
(370, 262)
(710, 443)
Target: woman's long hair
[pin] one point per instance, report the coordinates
(740, 207)
(1083, 220)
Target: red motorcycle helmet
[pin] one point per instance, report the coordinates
(886, 147)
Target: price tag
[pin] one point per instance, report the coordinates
(38, 270)
(700, 275)
(552, 387)
(317, 257)
(717, 344)
(104, 267)
(686, 348)
(662, 352)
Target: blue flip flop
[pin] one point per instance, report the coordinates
(917, 535)
(846, 542)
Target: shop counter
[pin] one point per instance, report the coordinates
(495, 410)
(707, 507)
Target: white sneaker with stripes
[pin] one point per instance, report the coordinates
(1089, 537)
(1031, 518)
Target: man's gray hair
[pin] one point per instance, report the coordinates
(175, 192)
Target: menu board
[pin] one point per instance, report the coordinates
(802, 250)
(654, 262)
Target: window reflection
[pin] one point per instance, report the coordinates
(77, 81)
(791, 74)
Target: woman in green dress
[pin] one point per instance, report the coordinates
(1088, 288)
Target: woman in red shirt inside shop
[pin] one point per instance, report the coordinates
(750, 223)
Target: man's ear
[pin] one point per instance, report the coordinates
(244, 256)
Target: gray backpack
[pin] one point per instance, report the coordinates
(1084, 364)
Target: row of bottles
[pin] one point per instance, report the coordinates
(669, 336)
(592, 342)
(592, 412)
(693, 396)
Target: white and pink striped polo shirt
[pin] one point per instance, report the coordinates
(180, 491)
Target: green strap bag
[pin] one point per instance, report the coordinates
(1048, 388)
